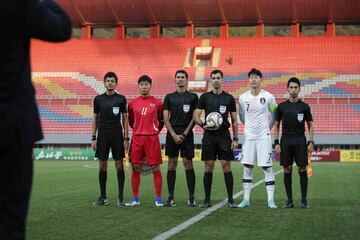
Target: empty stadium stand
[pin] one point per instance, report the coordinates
(67, 76)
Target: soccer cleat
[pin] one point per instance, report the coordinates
(244, 203)
(304, 204)
(271, 204)
(159, 202)
(232, 204)
(289, 204)
(205, 204)
(120, 202)
(191, 202)
(101, 202)
(170, 203)
(133, 202)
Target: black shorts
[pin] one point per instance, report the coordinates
(107, 139)
(186, 148)
(217, 145)
(293, 148)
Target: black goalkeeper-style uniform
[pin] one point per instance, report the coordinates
(217, 144)
(293, 140)
(181, 107)
(109, 109)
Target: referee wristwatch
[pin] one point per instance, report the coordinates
(235, 139)
(93, 138)
(276, 142)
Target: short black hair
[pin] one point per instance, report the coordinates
(256, 72)
(216, 71)
(111, 75)
(183, 72)
(145, 78)
(293, 80)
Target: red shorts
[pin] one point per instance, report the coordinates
(145, 146)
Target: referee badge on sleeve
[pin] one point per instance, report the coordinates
(116, 110)
(186, 108)
(300, 117)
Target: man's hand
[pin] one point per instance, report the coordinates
(234, 144)
(277, 148)
(178, 138)
(93, 145)
(311, 147)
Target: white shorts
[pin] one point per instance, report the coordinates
(257, 152)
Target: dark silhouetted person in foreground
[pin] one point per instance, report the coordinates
(19, 119)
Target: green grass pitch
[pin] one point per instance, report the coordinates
(63, 192)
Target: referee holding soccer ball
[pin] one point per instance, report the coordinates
(217, 142)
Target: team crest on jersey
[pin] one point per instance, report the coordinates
(186, 108)
(222, 109)
(116, 110)
(262, 100)
(152, 104)
(300, 117)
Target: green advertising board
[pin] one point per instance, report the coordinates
(64, 154)
(82, 154)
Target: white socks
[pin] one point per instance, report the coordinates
(269, 182)
(247, 182)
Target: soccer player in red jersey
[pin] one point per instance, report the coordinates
(146, 120)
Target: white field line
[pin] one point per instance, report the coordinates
(191, 221)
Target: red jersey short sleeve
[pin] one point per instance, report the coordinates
(145, 116)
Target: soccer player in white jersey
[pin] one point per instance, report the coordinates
(256, 112)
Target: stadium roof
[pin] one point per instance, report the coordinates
(210, 12)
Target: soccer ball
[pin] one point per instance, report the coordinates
(214, 119)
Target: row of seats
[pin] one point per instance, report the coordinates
(328, 119)
(312, 85)
(288, 54)
(327, 66)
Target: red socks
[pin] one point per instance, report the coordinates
(158, 183)
(135, 183)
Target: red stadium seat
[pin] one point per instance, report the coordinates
(71, 73)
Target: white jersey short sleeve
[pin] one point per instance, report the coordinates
(257, 111)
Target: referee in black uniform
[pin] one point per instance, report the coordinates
(111, 121)
(217, 143)
(179, 107)
(293, 146)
